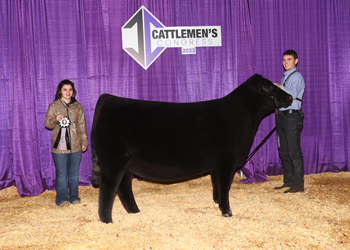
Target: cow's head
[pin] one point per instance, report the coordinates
(265, 87)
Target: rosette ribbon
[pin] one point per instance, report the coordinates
(64, 123)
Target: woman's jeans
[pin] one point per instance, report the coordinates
(67, 164)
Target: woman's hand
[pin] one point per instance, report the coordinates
(59, 117)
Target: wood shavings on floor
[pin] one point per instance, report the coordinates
(184, 216)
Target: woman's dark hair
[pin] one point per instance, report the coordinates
(59, 87)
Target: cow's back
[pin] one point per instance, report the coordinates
(181, 136)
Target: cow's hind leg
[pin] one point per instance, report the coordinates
(96, 170)
(126, 195)
(108, 190)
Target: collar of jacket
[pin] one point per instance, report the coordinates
(72, 100)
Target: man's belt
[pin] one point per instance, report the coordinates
(289, 111)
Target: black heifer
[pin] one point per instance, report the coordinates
(172, 141)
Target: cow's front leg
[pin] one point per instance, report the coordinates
(126, 195)
(215, 186)
(224, 180)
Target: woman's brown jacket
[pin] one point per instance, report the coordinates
(78, 134)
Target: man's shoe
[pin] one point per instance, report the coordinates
(283, 186)
(76, 202)
(294, 190)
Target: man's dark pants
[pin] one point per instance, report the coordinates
(289, 128)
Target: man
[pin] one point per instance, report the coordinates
(290, 124)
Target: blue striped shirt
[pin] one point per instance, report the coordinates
(294, 86)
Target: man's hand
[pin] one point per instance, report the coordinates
(278, 85)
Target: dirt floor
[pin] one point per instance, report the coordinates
(184, 216)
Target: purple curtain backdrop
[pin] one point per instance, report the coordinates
(44, 42)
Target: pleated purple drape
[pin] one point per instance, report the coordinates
(44, 42)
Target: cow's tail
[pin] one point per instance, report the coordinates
(96, 170)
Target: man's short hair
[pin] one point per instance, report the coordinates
(291, 53)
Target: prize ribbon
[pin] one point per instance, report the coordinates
(65, 122)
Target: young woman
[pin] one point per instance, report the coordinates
(69, 139)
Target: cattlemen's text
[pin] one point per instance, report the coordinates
(183, 33)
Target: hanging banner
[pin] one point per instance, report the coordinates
(144, 37)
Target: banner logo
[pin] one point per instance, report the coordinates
(144, 37)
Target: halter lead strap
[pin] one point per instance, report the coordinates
(284, 84)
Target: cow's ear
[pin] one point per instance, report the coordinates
(267, 87)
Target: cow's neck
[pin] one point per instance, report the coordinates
(243, 100)
(250, 108)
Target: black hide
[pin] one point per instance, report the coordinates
(173, 141)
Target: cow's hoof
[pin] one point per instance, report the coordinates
(133, 211)
(107, 221)
(227, 214)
